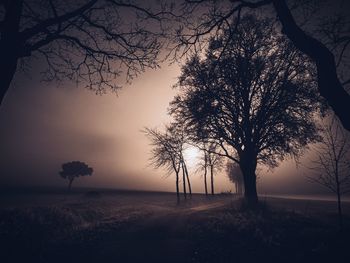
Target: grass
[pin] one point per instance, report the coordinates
(151, 228)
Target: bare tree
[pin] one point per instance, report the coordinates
(235, 175)
(203, 166)
(179, 135)
(165, 154)
(252, 95)
(89, 41)
(212, 16)
(167, 151)
(332, 167)
(210, 161)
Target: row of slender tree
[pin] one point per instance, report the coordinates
(168, 151)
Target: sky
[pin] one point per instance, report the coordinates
(43, 125)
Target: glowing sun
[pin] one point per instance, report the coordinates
(192, 156)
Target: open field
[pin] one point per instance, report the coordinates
(131, 226)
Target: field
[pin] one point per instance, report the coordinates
(122, 226)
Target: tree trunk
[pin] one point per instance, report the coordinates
(10, 44)
(248, 165)
(250, 193)
(205, 181)
(212, 179)
(184, 181)
(329, 85)
(70, 184)
(188, 180)
(340, 215)
(177, 188)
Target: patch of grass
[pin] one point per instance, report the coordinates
(236, 234)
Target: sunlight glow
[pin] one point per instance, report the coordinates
(192, 156)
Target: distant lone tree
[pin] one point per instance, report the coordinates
(234, 174)
(253, 94)
(331, 168)
(72, 170)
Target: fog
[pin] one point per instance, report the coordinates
(45, 124)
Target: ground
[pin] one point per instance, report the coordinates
(150, 227)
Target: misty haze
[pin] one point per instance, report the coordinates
(174, 131)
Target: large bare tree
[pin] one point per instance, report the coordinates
(88, 41)
(253, 95)
(327, 53)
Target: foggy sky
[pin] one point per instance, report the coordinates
(43, 125)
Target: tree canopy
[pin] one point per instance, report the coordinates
(74, 169)
(90, 41)
(253, 94)
(319, 29)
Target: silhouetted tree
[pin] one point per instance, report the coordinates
(205, 18)
(234, 173)
(72, 170)
(332, 166)
(253, 95)
(89, 41)
(203, 166)
(209, 161)
(167, 151)
(179, 135)
(164, 154)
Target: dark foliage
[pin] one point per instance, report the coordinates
(72, 170)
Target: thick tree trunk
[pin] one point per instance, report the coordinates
(328, 83)
(250, 193)
(10, 44)
(205, 181)
(6, 76)
(188, 180)
(248, 165)
(212, 179)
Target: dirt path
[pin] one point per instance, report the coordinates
(159, 238)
